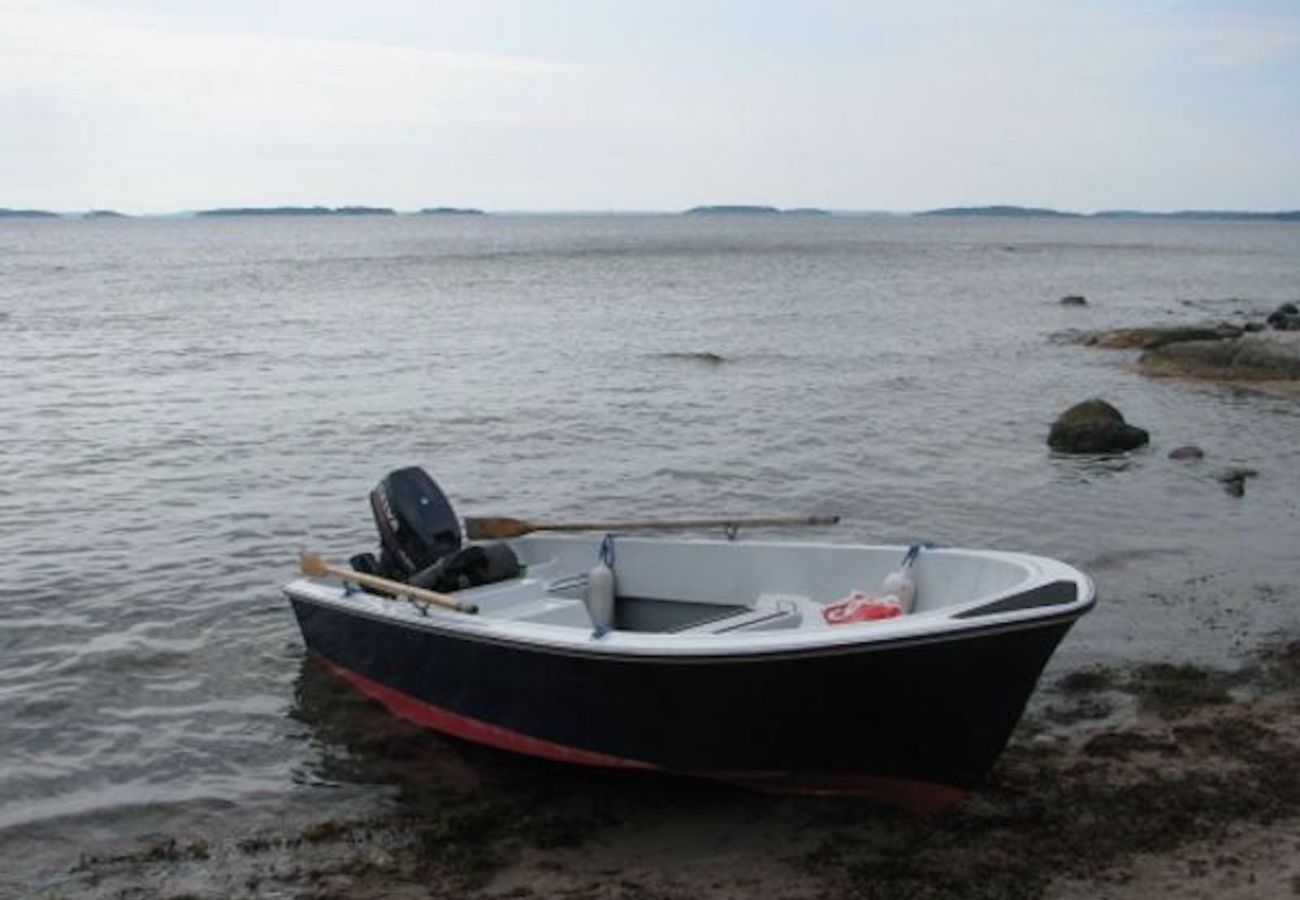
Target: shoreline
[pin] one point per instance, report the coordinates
(1162, 780)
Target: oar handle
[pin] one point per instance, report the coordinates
(315, 566)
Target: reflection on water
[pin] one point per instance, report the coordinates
(359, 742)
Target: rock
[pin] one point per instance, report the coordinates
(1074, 300)
(1234, 480)
(1285, 318)
(706, 356)
(1268, 356)
(1151, 337)
(1190, 451)
(1073, 336)
(1094, 426)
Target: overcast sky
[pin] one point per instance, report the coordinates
(161, 105)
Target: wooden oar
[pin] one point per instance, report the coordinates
(314, 566)
(500, 527)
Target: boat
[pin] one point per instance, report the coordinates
(720, 657)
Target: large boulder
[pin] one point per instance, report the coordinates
(1094, 426)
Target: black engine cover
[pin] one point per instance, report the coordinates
(417, 525)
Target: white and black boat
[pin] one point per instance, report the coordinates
(756, 662)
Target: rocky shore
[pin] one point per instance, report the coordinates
(1163, 780)
(1267, 359)
(1262, 354)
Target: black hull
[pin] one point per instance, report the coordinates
(917, 723)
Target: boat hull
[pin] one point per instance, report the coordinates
(912, 722)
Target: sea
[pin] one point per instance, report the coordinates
(189, 403)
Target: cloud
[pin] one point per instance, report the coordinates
(235, 83)
(837, 103)
(1230, 43)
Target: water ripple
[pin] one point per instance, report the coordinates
(188, 405)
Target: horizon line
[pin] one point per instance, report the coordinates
(991, 210)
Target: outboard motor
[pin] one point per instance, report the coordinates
(417, 526)
(420, 539)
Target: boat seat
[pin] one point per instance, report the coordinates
(768, 616)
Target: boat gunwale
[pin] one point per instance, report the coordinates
(704, 655)
(959, 621)
(953, 621)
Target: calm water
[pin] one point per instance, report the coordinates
(187, 404)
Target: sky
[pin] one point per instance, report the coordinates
(164, 105)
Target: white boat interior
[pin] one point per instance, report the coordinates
(725, 596)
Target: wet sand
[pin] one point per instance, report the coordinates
(1161, 781)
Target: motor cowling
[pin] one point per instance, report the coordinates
(417, 526)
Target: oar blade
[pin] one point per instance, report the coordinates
(313, 565)
(495, 528)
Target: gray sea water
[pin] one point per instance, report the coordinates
(188, 403)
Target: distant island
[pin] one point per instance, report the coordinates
(1002, 212)
(993, 211)
(733, 211)
(754, 211)
(299, 211)
(1228, 215)
(1030, 212)
(27, 214)
(450, 211)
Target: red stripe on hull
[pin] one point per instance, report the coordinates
(439, 719)
(915, 796)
